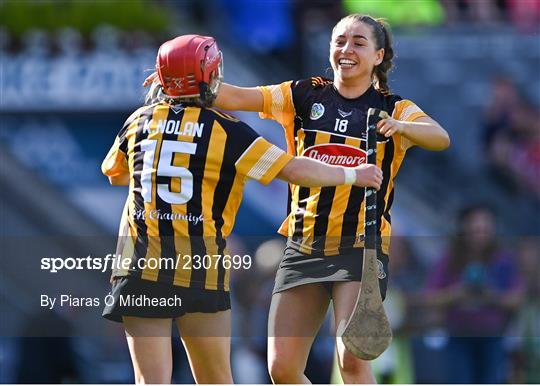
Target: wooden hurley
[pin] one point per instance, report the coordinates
(367, 333)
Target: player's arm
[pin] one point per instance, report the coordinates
(230, 97)
(115, 165)
(119, 180)
(424, 132)
(308, 172)
(239, 98)
(260, 160)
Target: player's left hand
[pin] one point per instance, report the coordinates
(149, 79)
(389, 127)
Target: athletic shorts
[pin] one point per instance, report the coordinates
(131, 296)
(297, 269)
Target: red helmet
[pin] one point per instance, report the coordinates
(190, 66)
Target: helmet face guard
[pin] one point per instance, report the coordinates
(208, 91)
(190, 66)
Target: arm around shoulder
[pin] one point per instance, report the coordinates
(239, 98)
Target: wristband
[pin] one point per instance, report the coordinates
(350, 176)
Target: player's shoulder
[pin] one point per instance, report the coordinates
(387, 100)
(222, 117)
(305, 89)
(141, 111)
(231, 124)
(312, 83)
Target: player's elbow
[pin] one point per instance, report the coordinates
(444, 141)
(441, 141)
(121, 180)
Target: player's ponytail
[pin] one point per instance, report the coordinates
(383, 39)
(381, 71)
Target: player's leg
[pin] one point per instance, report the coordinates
(149, 342)
(353, 369)
(207, 340)
(295, 317)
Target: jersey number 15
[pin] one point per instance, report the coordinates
(166, 169)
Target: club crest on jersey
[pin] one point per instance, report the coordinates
(381, 274)
(177, 108)
(337, 154)
(317, 111)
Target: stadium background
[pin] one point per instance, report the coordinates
(71, 72)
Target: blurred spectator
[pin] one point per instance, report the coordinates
(70, 42)
(525, 14)
(37, 44)
(478, 288)
(526, 356)
(466, 11)
(512, 138)
(4, 40)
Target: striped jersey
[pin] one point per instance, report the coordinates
(187, 168)
(321, 124)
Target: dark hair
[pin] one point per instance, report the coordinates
(383, 39)
(460, 247)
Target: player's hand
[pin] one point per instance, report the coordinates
(389, 127)
(368, 175)
(149, 79)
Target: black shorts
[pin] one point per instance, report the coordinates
(297, 269)
(131, 296)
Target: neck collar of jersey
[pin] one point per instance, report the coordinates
(368, 92)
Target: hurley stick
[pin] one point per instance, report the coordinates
(367, 333)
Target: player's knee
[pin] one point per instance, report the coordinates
(283, 371)
(352, 366)
(153, 377)
(214, 370)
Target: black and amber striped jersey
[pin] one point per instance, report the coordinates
(187, 168)
(321, 124)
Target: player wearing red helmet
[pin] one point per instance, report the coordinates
(198, 67)
(186, 166)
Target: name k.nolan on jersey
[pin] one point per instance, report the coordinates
(172, 126)
(337, 154)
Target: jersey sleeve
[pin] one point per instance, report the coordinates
(115, 163)
(278, 103)
(257, 158)
(407, 110)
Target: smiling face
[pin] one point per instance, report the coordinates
(353, 51)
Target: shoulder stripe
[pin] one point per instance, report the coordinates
(406, 110)
(265, 162)
(278, 100)
(319, 81)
